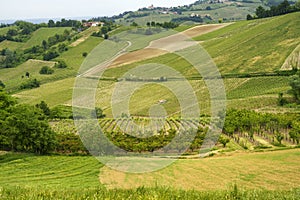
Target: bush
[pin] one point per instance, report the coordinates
(50, 55)
(61, 64)
(46, 70)
(31, 83)
(2, 85)
(84, 54)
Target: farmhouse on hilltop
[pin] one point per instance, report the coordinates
(93, 24)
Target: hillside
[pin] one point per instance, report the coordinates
(255, 46)
(86, 173)
(198, 12)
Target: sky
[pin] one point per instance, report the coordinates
(33, 9)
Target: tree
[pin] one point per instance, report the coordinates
(297, 5)
(104, 30)
(51, 23)
(281, 101)
(249, 17)
(45, 44)
(50, 55)
(2, 85)
(31, 83)
(12, 32)
(295, 132)
(44, 107)
(84, 54)
(23, 127)
(260, 12)
(29, 131)
(99, 113)
(61, 64)
(134, 24)
(223, 140)
(279, 137)
(295, 84)
(46, 70)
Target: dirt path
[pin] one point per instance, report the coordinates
(84, 36)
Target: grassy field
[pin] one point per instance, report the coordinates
(274, 174)
(54, 93)
(253, 46)
(10, 45)
(43, 34)
(250, 93)
(73, 57)
(271, 170)
(36, 39)
(4, 30)
(49, 171)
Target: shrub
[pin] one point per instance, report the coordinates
(50, 55)
(29, 84)
(61, 64)
(2, 85)
(46, 70)
(84, 54)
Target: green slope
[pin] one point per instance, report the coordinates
(43, 34)
(49, 171)
(253, 46)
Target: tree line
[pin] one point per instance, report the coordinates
(263, 124)
(281, 9)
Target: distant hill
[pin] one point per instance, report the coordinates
(204, 11)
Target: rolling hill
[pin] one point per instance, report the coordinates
(256, 46)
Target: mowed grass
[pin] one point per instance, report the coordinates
(279, 170)
(22, 170)
(54, 93)
(253, 46)
(270, 170)
(43, 34)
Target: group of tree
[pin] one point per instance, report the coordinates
(251, 122)
(46, 70)
(24, 128)
(104, 31)
(64, 23)
(281, 9)
(179, 20)
(20, 32)
(167, 25)
(47, 50)
(294, 82)
(295, 86)
(11, 58)
(30, 84)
